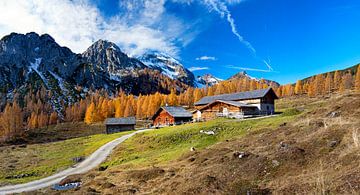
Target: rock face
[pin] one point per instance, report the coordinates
(208, 80)
(22, 54)
(29, 61)
(244, 74)
(33, 57)
(168, 66)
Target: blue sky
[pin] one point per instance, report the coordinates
(296, 39)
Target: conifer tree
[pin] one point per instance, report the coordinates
(90, 115)
(357, 79)
(346, 82)
(328, 83)
(337, 80)
(11, 121)
(298, 87)
(53, 118)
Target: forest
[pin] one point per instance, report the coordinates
(34, 111)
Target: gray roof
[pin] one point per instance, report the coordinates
(121, 121)
(236, 96)
(175, 111)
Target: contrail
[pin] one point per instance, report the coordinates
(222, 9)
(268, 64)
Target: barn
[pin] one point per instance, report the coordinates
(171, 115)
(236, 105)
(114, 125)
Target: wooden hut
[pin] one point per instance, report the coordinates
(114, 125)
(171, 115)
(236, 105)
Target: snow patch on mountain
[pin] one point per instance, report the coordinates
(207, 80)
(60, 81)
(35, 67)
(167, 65)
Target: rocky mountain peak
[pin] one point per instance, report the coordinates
(168, 66)
(107, 55)
(207, 80)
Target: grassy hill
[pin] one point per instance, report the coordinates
(24, 163)
(312, 147)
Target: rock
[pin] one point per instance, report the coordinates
(102, 168)
(275, 163)
(78, 159)
(192, 149)
(241, 154)
(333, 143)
(334, 114)
(284, 145)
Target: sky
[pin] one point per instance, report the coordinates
(281, 40)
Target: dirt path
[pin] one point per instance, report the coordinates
(89, 163)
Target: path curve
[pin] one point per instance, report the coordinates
(89, 163)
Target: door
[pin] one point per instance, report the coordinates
(198, 115)
(225, 112)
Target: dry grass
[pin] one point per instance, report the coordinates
(355, 136)
(310, 154)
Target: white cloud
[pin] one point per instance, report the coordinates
(196, 68)
(78, 23)
(206, 58)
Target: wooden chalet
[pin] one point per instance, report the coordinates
(171, 115)
(236, 105)
(114, 125)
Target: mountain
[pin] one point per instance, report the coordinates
(30, 61)
(168, 66)
(22, 55)
(207, 80)
(244, 74)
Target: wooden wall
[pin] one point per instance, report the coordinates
(163, 118)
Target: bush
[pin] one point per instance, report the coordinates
(291, 112)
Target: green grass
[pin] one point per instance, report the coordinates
(41, 160)
(166, 144)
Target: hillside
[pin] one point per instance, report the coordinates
(352, 70)
(311, 148)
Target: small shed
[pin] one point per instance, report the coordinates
(171, 115)
(114, 125)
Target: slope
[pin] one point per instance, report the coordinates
(311, 148)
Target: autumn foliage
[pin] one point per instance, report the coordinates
(34, 110)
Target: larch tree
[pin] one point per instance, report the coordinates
(346, 82)
(357, 79)
(11, 121)
(337, 80)
(90, 115)
(328, 83)
(53, 118)
(298, 87)
(319, 84)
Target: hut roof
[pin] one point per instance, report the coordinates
(174, 111)
(121, 121)
(237, 96)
